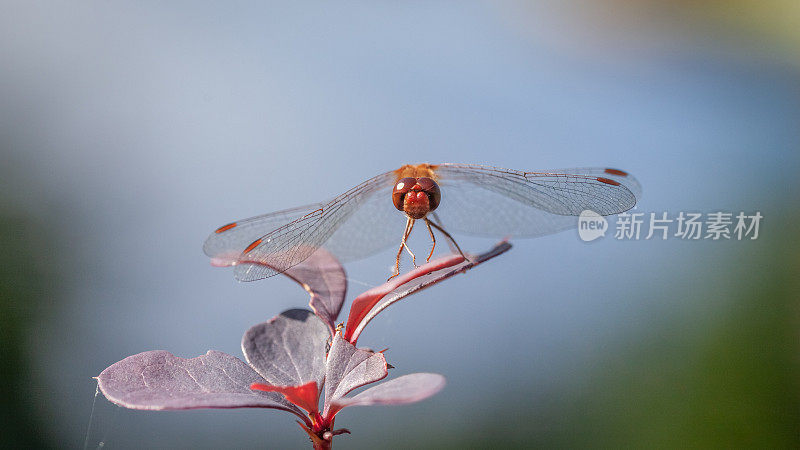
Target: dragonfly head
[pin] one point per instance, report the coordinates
(416, 196)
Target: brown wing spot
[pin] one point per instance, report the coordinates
(312, 213)
(225, 227)
(252, 246)
(607, 181)
(617, 172)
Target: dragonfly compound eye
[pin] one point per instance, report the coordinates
(400, 189)
(430, 187)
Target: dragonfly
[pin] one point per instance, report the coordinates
(461, 198)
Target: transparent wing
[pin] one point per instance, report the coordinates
(364, 211)
(375, 225)
(477, 200)
(496, 202)
(229, 240)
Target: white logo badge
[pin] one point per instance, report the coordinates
(591, 225)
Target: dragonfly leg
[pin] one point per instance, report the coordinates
(434, 218)
(433, 239)
(413, 257)
(406, 233)
(433, 224)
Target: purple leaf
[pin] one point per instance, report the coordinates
(364, 307)
(367, 300)
(158, 380)
(406, 389)
(289, 349)
(349, 368)
(323, 277)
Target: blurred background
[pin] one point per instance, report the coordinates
(130, 130)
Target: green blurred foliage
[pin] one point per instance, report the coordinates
(729, 378)
(23, 295)
(774, 24)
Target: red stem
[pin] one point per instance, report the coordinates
(322, 444)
